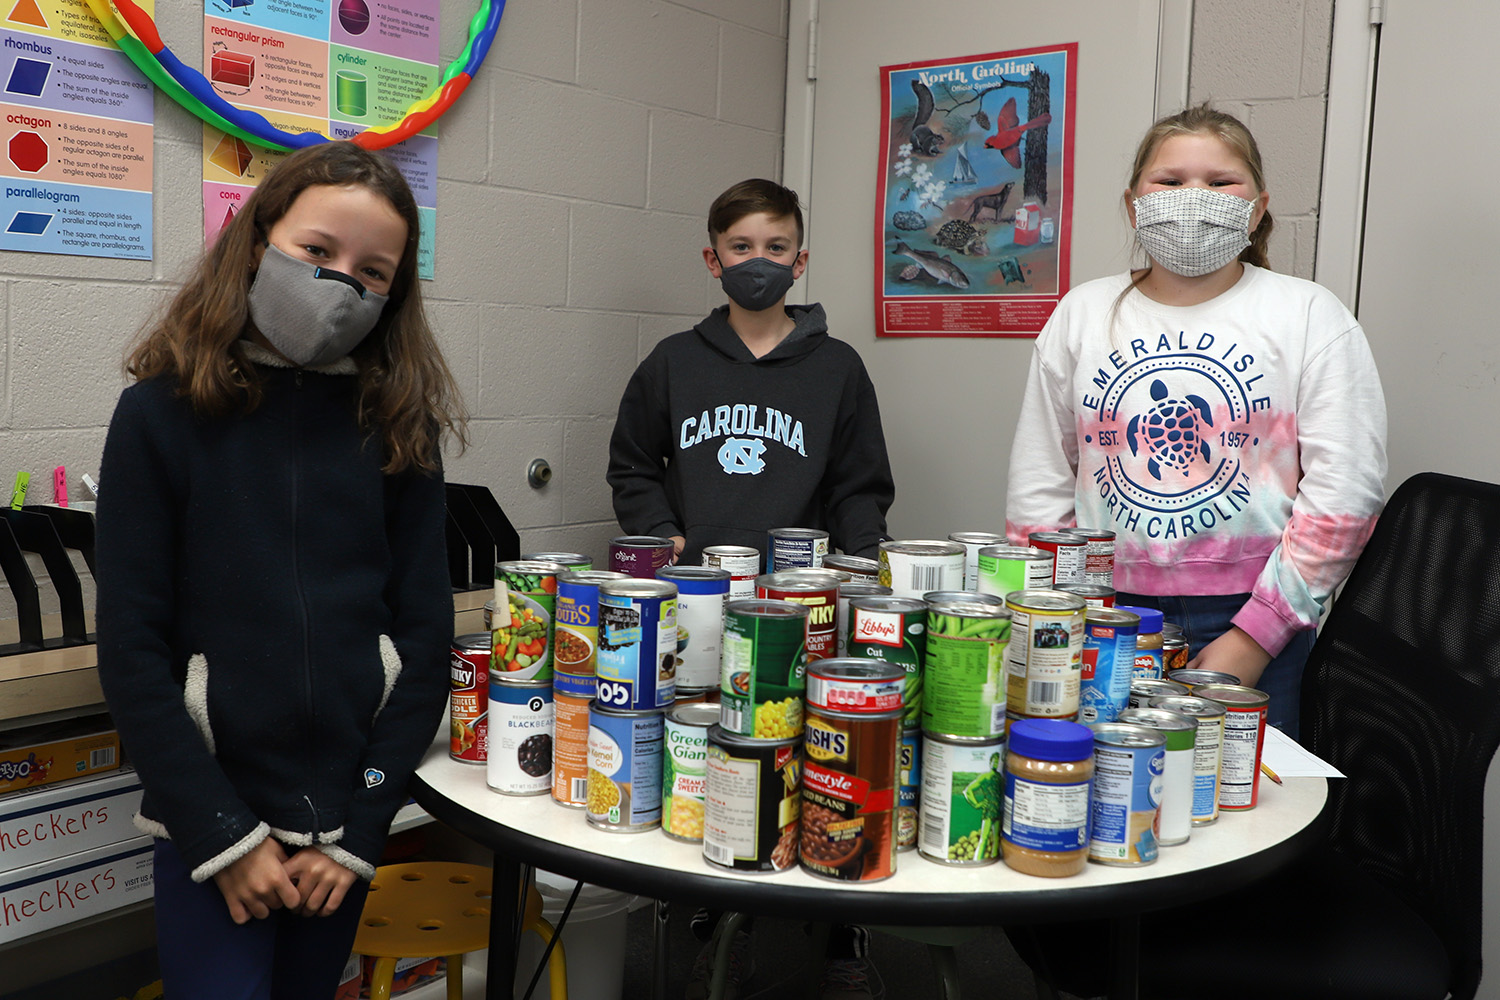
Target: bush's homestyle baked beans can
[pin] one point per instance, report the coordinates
(751, 802)
(520, 752)
(1181, 733)
(819, 593)
(908, 788)
(962, 791)
(1098, 556)
(468, 701)
(914, 568)
(684, 770)
(1125, 804)
(860, 569)
(637, 644)
(1208, 746)
(1004, 569)
(741, 561)
(1244, 735)
(1094, 595)
(763, 672)
(1044, 660)
(624, 783)
(574, 562)
(522, 647)
(849, 777)
(575, 633)
(893, 629)
(847, 592)
(973, 541)
(963, 678)
(1143, 689)
(795, 548)
(1108, 658)
(640, 555)
(572, 695)
(702, 592)
(1068, 554)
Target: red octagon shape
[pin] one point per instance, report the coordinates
(28, 151)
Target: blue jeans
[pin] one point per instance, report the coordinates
(205, 955)
(1204, 619)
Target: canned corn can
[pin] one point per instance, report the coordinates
(1068, 553)
(575, 633)
(764, 669)
(849, 777)
(1094, 595)
(522, 646)
(520, 751)
(572, 696)
(1098, 555)
(1108, 658)
(685, 769)
(1181, 733)
(1208, 746)
(893, 629)
(1044, 661)
(741, 561)
(702, 593)
(861, 569)
(795, 548)
(625, 764)
(469, 697)
(1143, 689)
(574, 562)
(847, 592)
(819, 593)
(637, 644)
(963, 680)
(640, 555)
(914, 568)
(962, 791)
(1004, 569)
(1125, 803)
(908, 788)
(973, 541)
(752, 800)
(1244, 735)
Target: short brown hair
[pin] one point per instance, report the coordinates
(749, 197)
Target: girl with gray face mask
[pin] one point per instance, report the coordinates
(1225, 421)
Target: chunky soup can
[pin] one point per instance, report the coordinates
(1125, 804)
(469, 698)
(1044, 661)
(640, 555)
(893, 629)
(973, 541)
(1098, 555)
(847, 592)
(914, 568)
(1244, 735)
(819, 593)
(743, 564)
(751, 802)
(962, 792)
(963, 681)
(1208, 746)
(1004, 569)
(637, 644)
(763, 672)
(860, 569)
(625, 763)
(702, 593)
(572, 696)
(684, 770)
(1108, 659)
(849, 779)
(520, 751)
(575, 633)
(795, 548)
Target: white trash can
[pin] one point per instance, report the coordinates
(594, 940)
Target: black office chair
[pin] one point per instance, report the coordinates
(1401, 694)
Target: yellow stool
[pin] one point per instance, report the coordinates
(427, 908)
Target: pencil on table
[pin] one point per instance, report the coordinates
(1270, 773)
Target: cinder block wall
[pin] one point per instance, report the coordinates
(574, 176)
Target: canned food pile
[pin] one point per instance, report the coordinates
(966, 698)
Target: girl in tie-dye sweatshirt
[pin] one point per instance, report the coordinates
(1226, 421)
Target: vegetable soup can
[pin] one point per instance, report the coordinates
(963, 680)
(1095, 595)
(962, 791)
(908, 788)
(764, 669)
(893, 629)
(575, 631)
(973, 541)
(914, 568)
(795, 548)
(625, 765)
(572, 696)
(1181, 733)
(1108, 658)
(743, 564)
(640, 555)
(752, 800)
(469, 698)
(1143, 689)
(1244, 736)
(637, 644)
(1098, 556)
(684, 770)
(523, 646)
(572, 561)
(849, 777)
(1004, 569)
(520, 752)
(1125, 803)
(702, 593)
(1068, 554)
(847, 592)
(862, 570)
(1208, 745)
(1044, 661)
(819, 593)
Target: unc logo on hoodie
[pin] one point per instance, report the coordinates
(741, 454)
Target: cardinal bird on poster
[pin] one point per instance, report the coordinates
(1008, 132)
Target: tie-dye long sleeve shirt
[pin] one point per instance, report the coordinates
(1237, 446)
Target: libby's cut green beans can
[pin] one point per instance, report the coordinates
(963, 692)
(893, 629)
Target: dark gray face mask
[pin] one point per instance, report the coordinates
(757, 283)
(313, 315)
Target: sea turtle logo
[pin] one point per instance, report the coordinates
(1169, 431)
(741, 456)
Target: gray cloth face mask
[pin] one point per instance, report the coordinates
(757, 283)
(1193, 231)
(313, 315)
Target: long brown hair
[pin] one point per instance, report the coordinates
(406, 392)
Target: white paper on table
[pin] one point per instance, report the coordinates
(1290, 759)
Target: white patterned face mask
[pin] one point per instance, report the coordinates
(1193, 231)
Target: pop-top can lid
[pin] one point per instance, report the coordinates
(1124, 734)
(1157, 718)
(1051, 739)
(923, 547)
(1151, 618)
(474, 641)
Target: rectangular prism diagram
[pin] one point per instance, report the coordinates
(233, 69)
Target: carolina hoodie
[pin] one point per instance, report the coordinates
(719, 446)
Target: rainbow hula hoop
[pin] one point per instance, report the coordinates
(138, 38)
